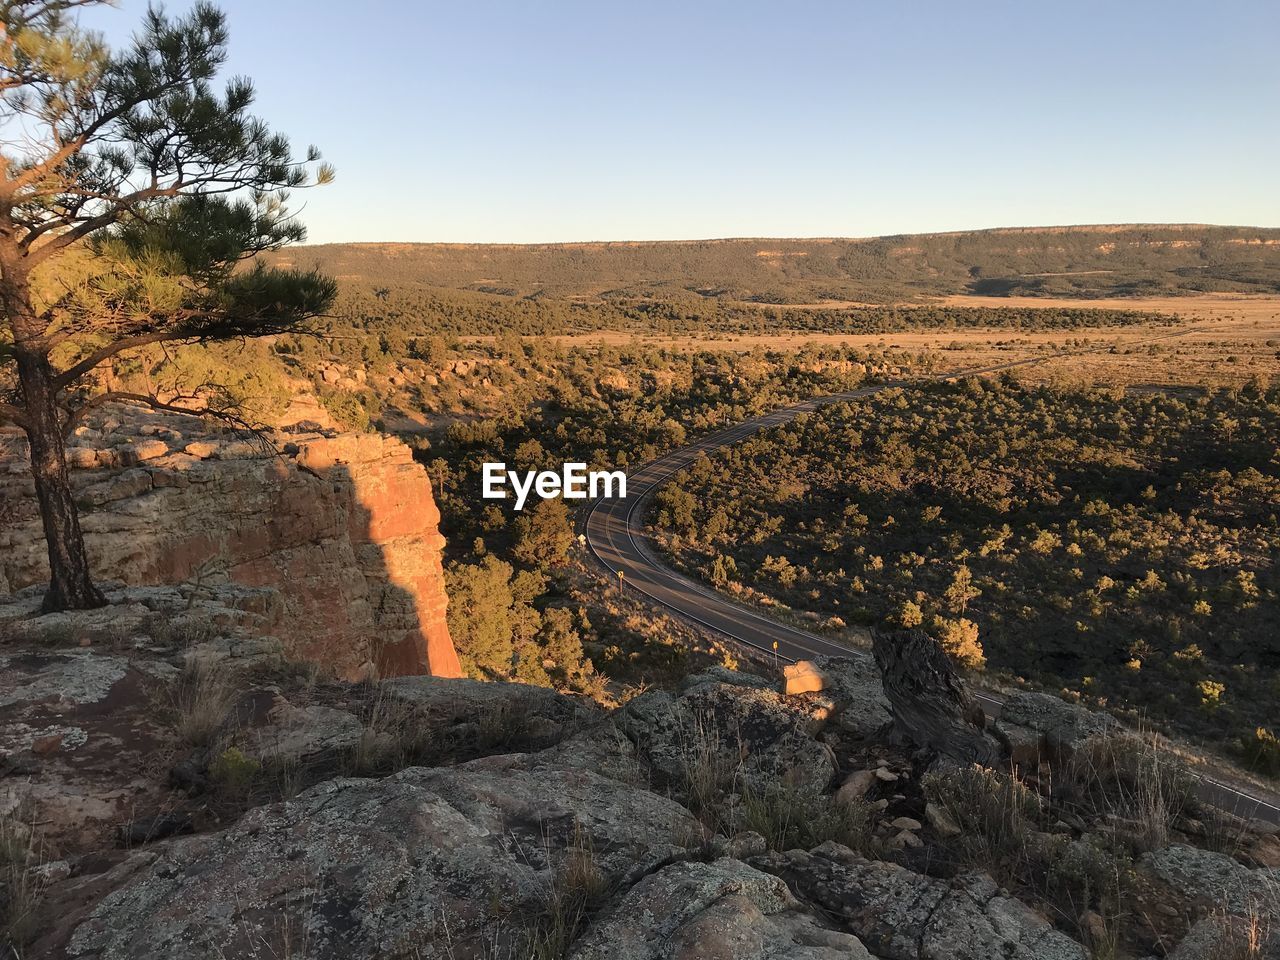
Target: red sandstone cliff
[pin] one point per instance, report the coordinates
(344, 527)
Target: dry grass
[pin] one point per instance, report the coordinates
(791, 819)
(1247, 937)
(395, 737)
(1134, 778)
(995, 812)
(577, 888)
(202, 699)
(711, 765)
(180, 630)
(21, 890)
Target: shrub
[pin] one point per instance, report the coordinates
(789, 818)
(960, 639)
(234, 772)
(1262, 752)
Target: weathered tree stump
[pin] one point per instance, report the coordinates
(931, 707)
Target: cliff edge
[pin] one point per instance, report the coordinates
(343, 528)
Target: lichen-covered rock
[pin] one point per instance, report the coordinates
(1218, 879)
(901, 915)
(855, 685)
(343, 526)
(77, 729)
(302, 736)
(433, 860)
(1228, 937)
(1036, 725)
(755, 737)
(459, 699)
(724, 910)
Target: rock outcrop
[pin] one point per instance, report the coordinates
(1036, 726)
(731, 727)
(280, 814)
(724, 910)
(435, 860)
(901, 915)
(343, 527)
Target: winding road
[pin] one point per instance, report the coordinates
(615, 534)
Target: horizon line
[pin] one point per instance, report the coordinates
(1082, 227)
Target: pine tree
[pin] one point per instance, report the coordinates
(170, 184)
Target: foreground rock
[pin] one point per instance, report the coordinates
(77, 744)
(1222, 881)
(1228, 937)
(437, 861)
(343, 528)
(853, 683)
(727, 730)
(492, 709)
(902, 915)
(1038, 726)
(724, 910)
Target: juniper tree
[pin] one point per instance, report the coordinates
(134, 157)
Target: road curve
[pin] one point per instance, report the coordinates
(615, 534)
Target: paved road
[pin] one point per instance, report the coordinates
(614, 530)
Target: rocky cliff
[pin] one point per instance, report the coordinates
(341, 528)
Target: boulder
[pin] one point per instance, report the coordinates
(432, 859)
(723, 726)
(201, 449)
(801, 677)
(901, 915)
(943, 824)
(302, 736)
(82, 458)
(1226, 937)
(856, 786)
(724, 910)
(498, 712)
(132, 454)
(1036, 725)
(1220, 879)
(1264, 851)
(854, 684)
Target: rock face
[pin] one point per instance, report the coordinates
(901, 915)
(1233, 886)
(727, 727)
(1038, 726)
(343, 527)
(371, 869)
(724, 910)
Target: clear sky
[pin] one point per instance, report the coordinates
(549, 120)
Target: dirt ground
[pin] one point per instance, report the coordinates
(1224, 340)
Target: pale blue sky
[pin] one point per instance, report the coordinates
(547, 121)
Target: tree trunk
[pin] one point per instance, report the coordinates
(930, 705)
(70, 585)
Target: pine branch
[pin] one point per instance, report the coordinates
(14, 415)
